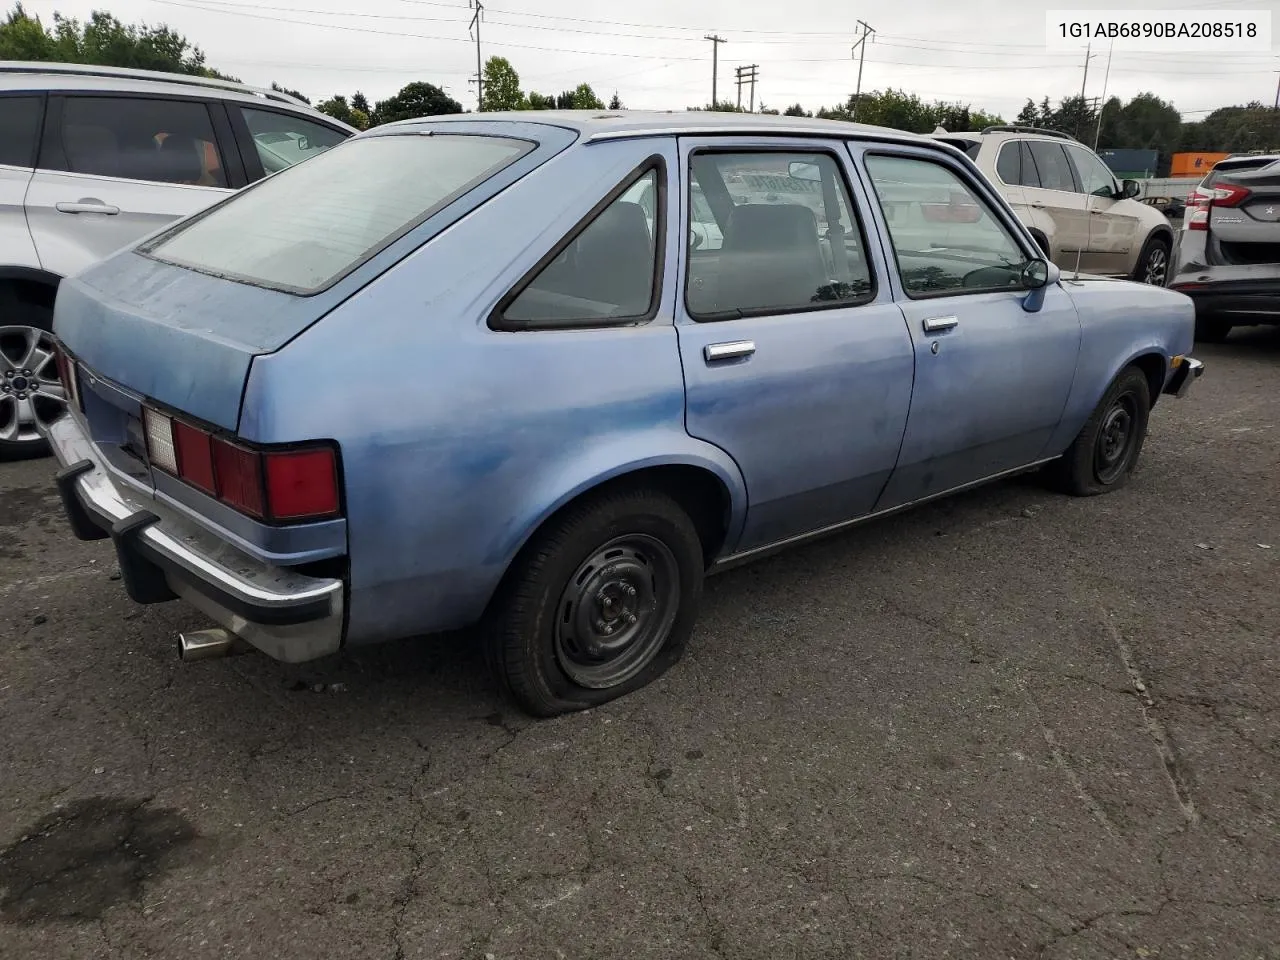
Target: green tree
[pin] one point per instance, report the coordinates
(615, 103)
(502, 86)
(23, 37)
(540, 101)
(416, 99)
(338, 108)
(360, 102)
(584, 98)
(1029, 116)
(293, 93)
(796, 110)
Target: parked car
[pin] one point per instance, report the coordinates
(95, 158)
(426, 382)
(1079, 213)
(1228, 253)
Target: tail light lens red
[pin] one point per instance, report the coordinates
(290, 484)
(1202, 201)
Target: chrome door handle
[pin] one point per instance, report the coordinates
(85, 207)
(934, 324)
(735, 350)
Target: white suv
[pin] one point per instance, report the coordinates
(93, 159)
(1074, 206)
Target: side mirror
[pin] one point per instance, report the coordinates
(803, 170)
(1130, 189)
(304, 143)
(1039, 273)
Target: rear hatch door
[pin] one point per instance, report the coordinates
(1244, 219)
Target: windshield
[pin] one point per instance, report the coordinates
(305, 227)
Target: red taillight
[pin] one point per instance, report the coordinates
(302, 483)
(1227, 195)
(239, 476)
(294, 484)
(194, 454)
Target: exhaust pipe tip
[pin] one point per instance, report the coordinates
(209, 645)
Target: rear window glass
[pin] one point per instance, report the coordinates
(304, 228)
(1228, 167)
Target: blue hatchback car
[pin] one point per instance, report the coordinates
(502, 370)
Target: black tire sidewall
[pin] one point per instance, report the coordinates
(568, 545)
(1154, 243)
(1131, 380)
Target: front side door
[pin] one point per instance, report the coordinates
(1049, 186)
(115, 168)
(1113, 222)
(992, 378)
(796, 360)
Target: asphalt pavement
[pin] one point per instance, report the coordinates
(1011, 724)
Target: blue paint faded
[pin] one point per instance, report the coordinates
(458, 441)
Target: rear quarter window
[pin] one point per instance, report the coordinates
(304, 228)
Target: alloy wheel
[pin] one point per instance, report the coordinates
(1157, 267)
(32, 396)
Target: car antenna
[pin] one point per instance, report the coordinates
(1097, 138)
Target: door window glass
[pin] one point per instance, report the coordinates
(19, 123)
(283, 139)
(1052, 165)
(1095, 176)
(784, 238)
(606, 272)
(946, 239)
(1030, 175)
(168, 141)
(1009, 163)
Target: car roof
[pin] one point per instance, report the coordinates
(595, 125)
(20, 76)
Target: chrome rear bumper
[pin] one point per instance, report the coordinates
(1184, 375)
(162, 556)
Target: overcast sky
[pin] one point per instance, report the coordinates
(988, 53)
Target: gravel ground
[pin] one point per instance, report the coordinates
(1011, 724)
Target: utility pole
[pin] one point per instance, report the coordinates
(715, 63)
(860, 51)
(1087, 57)
(747, 75)
(1277, 106)
(475, 26)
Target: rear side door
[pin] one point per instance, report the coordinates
(992, 376)
(20, 117)
(1113, 222)
(115, 168)
(1049, 185)
(796, 360)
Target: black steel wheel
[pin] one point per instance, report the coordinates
(600, 603)
(1103, 455)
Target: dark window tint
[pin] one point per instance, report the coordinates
(283, 139)
(1030, 176)
(946, 239)
(168, 141)
(606, 272)
(19, 126)
(1009, 164)
(772, 233)
(1053, 166)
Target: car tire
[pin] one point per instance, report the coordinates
(629, 561)
(1153, 263)
(21, 325)
(1103, 455)
(1212, 330)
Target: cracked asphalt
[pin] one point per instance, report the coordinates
(1007, 725)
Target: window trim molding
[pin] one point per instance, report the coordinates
(978, 195)
(738, 314)
(656, 162)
